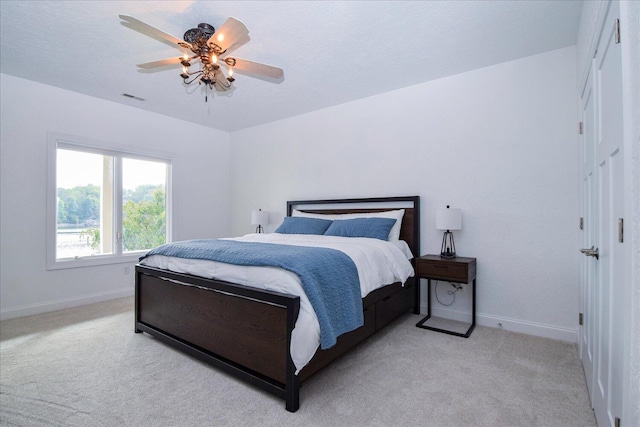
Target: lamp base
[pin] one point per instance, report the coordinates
(259, 229)
(448, 249)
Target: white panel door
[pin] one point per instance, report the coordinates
(588, 265)
(601, 340)
(609, 152)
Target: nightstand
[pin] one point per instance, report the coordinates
(458, 270)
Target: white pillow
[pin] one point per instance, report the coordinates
(394, 234)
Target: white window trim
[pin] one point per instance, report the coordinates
(105, 148)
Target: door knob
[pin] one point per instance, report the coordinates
(590, 252)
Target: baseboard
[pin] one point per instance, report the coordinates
(508, 324)
(45, 307)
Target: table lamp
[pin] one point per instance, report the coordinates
(448, 219)
(259, 218)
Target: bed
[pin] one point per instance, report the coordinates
(246, 331)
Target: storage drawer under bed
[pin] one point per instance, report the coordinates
(393, 305)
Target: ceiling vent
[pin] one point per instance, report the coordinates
(128, 95)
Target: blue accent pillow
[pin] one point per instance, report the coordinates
(302, 225)
(375, 228)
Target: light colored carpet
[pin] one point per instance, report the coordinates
(85, 367)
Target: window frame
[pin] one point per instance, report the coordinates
(77, 143)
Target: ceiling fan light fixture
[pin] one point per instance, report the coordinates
(185, 68)
(209, 51)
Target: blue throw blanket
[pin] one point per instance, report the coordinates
(329, 277)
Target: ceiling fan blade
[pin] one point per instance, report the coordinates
(148, 30)
(161, 63)
(255, 67)
(232, 32)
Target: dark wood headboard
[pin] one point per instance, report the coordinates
(409, 230)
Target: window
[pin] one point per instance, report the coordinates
(104, 205)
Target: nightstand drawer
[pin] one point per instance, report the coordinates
(459, 269)
(443, 271)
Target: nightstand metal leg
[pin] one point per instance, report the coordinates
(421, 324)
(473, 308)
(428, 298)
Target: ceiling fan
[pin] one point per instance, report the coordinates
(209, 52)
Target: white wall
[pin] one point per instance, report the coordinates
(29, 110)
(499, 143)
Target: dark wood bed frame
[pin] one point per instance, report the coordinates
(245, 331)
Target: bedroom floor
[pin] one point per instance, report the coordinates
(85, 366)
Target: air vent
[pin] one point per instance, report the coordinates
(128, 95)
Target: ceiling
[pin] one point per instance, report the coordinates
(332, 52)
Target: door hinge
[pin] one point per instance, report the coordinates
(581, 223)
(580, 319)
(580, 128)
(618, 423)
(621, 230)
(617, 31)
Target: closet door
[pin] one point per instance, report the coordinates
(589, 210)
(601, 338)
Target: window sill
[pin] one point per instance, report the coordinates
(92, 261)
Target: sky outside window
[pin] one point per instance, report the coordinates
(76, 168)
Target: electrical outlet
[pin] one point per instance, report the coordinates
(126, 271)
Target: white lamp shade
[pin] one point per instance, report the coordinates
(259, 217)
(448, 219)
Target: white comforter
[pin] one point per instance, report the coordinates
(378, 262)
